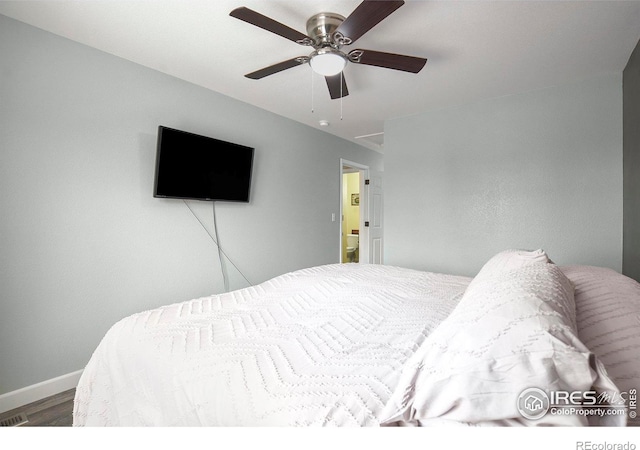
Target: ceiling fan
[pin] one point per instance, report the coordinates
(327, 33)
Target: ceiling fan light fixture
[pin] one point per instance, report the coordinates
(327, 62)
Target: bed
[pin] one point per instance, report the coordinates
(371, 345)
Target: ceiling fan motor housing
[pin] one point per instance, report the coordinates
(321, 26)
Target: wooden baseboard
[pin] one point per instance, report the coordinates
(35, 392)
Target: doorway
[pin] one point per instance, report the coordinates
(354, 246)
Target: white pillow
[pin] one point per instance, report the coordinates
(512, 260)
(512, 330)
(608, 320)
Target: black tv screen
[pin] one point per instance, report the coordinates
(190, 166)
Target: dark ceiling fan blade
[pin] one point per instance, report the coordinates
(411, 64)
(279, 67)
(266, 23)
(367, 15)
(334, 82)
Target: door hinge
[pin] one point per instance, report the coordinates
(366, 224)
(366, 182)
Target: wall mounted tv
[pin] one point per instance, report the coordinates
(190, 166)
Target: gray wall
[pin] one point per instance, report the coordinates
(83, 243)
(631, 100)
(538, 169)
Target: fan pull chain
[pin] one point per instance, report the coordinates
(312, 111)
(341, 97)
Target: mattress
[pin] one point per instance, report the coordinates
(319, 346)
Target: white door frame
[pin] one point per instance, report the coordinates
(364, 205)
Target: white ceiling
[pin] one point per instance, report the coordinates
(475, 50)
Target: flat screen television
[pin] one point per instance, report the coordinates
(190, 166)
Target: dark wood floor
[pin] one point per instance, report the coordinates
(54, 411)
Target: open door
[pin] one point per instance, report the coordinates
(373, 222)
(370, 230)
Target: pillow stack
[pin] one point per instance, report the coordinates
(514, 329)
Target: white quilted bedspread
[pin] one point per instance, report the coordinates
(320, 346)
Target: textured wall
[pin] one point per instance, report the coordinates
(538, 169)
